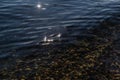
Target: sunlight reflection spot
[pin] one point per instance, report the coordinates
(39, 5)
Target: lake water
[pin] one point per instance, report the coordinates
(25, 23)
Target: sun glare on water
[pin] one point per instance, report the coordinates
(39, 6)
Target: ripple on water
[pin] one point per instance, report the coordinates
(29, 22)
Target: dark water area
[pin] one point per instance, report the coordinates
(23, 24)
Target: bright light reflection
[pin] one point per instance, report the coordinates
(39, 6)
(47, 40)
(59, 35)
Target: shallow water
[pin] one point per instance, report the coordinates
(24, 24)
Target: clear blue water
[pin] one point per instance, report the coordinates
(24, 24)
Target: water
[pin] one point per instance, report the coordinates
(25, 23)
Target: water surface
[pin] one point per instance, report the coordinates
(23, 24)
